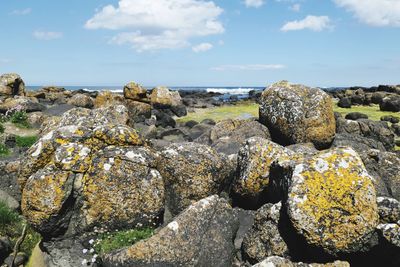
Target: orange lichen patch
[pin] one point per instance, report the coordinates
(45, 193)
(332, 200)
(118, 135)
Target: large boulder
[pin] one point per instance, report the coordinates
(91, 173)
(162, 97)
(134, 91)
(191, 172)
(11, 84)
(331, 202)
(250, 187)
(28, 104)
(344, 102)
(391, 103)
(298, 114)
(81, 100)
(202, 235)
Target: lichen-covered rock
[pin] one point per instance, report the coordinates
(389, 210)
(134, 91)
(254, 162)
(298, 114)
(163, 97)
(29, 104)
(138, 111)
(107, 98)
(332, 201)
(11, 84)
(264, 238)
(191, 172)
(391, 233)
(276, 261)
(81, 100)
(77, 177)
(202, 235)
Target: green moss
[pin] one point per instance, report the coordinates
(20, 119)
(243, 110)
(4, 151)
(12, 224)
(25, 141)
(112, 241)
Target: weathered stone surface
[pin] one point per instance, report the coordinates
(391, 103)
(163, 97)
(276, 261)
(298, 114)
(29, 104)
(254, 162)
(391, 233)
(81, 100)
(138, 111)
(202, 235)
(355, 116)
(134, 91)
(264, 238)
(389, 210)
(332, 201)
(11, 84)
(344, 102)
(191, 172)
(11, 202)
(107, 98)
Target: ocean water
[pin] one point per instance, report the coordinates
(239, 91)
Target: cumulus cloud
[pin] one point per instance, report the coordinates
(203, 47)
(313, 23)
(158, 24)
(21, 12)
(250, 67)
(47, 36)
(254, 3)
(374, 12)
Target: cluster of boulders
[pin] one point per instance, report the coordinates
(387, 97)
(302, 186)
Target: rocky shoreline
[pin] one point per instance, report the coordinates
(300, 186)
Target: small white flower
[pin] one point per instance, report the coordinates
(91, 241)
(84, 262)
(84, 251)
(91, 250)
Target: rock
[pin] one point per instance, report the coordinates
(198, 130)
(107, 98)
(264, 238)
(298, 114)
(134, 91)
(138, 111)
(246, 221)
(163, 119)
(29, 104)
(202, 235)
(389, 210)
(174, 135)
(36, 119)
(191, 172)
(208, 121)
(81, 100)
(191, 123)
(344, 102)
(5, 247)
(355, 116)
(358, 97)
(250, 187)
(58, 110)
(20, 259)
(396, 129)
(179, 110)
(388, 168)
(162, 97)
(306, 149)
(11, 84)
(11, 202)
(332, 202)
(276, 261)
(377, 97)
(8, 181)
(391, 103)
(389, 244)
(357, 142)
(390, 118)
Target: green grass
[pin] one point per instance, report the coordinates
(4, 151)
(12, 224)
(25, 141)
(112, 241)
(372, 111)
(221, 113)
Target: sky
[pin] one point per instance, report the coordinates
(201, 42)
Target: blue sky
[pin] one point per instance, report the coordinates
(201, 43)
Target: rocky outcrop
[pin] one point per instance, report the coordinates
(135, 92)
(202, 235)
(191, 172)
(276, 261)
(298, 114)
(11, 84)
(163, 97)
(391, 103)
(81, 100)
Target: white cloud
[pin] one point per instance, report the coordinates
(295, 7)
(251, 67)
(314, 23)
(47, 36)
(254, 3)
(202, 47)
(21, 12)
(374, 12)
(158, 24)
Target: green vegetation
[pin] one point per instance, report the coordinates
(372, 111)
(112, 241)
(20, 119)
(243, 110)
(12, 224)
(4, 151)
(25, 141)
(2, 128)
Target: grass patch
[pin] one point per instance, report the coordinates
(12, 224)
(20, 119)
(373, 111)
(243, 110)
(4, 151)
(25, 141)
(112, 241)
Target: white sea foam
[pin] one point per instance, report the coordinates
(231, 91)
